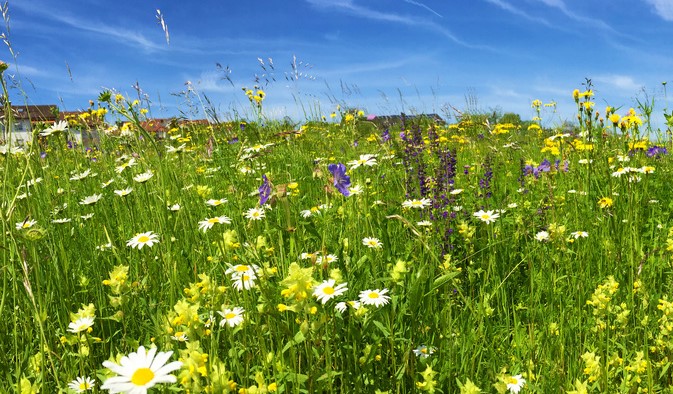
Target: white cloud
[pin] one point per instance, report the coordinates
(621, 82)
(663, 8)
(517, 11)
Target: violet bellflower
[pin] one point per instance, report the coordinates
(264, 190)
(341, 181)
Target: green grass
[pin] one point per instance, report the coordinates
(487, 301)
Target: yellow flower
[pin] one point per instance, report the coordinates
(614, 118)
(605, 202)
(576, 94)
(536, 104)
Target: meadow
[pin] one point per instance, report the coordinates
(339, 256)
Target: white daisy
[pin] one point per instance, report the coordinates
(231, 317)
(254, 214)
(81, 175)
(515, 383)
(424, 223)
(542, 236)
(241, 269)
(244, 282)
(142, 239)
(81, 324)
(418, 204)
(374, 297)
(579, 234)
(139, 371)
(124, 192)
(82, 384)
(143, 177)
(373, 243)
(90, 200)
(56, 128)
(486, 216)
(456, 191)
(368, 160)
(326, 259)
(355, 189)
(26, 224)
(121, 168)
(208, 223)
(216, 202)
(327, 290)
(423, 351)
(174, 207)
(61, 220)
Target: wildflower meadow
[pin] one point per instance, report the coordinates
(339, 255)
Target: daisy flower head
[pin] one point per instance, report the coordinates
(455, 192)
(121, 168)
(368, 160)
(579, 234)
(515, 383)
(124, 192)
(26, 224)
(81, 175)
(244, 281)
(255, 214)
(326, 259)
(54, 129)
(417, 204)
(61, 220)
(140, 371)
(487, 217)
(143, 177)
(328, 290)
(542, 236)
(231, 317)
(241, 269)
(371, 242)
(81, 324)
(174, 207)
(355, 190)
(374, 297)
(90, 200)
(208, 223)
(141, 239)
(423, 351)
(216, 202)
(82, 384)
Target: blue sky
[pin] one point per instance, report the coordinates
(385, 56)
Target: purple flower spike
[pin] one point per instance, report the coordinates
(264, 190)
(341, 181)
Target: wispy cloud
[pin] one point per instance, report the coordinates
(349, 6)
(663, 8)
(517, 11)
(591, 21)
(416, 3)
(618, 81)
(119, 34)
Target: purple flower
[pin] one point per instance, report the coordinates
(264, 190)
(656, 151)
(341, 181)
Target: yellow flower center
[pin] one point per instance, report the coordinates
(512, 380)
(213, 220)
(230, 315)
(241, 268)
(84, 386)
(142, 376)
(143, 239)
(485, 216)
(373, 295)
(328, 290)
(26, 225)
